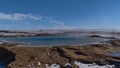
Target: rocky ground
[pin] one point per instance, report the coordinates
(22, 57)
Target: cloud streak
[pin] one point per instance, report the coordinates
(19, 16)
(23, 18)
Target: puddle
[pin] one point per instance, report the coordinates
(117, 54)
(117, 64)
(4, 62)
(6, 57)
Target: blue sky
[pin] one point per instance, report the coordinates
(59, 14)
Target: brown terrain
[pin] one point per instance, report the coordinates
(24, 56)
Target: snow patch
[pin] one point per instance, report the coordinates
(53, 66)
(68, 65)
(81, 65)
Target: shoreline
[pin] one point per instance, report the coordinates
(91, 53)
(26, 44)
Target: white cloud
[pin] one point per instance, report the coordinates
(29, 18)
(5, 16)
(52, 20)
(19, 17)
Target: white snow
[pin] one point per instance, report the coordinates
(81, 65)
(39, 63)
(67, 64)
(53, 66)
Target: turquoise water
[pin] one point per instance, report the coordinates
(52, 40)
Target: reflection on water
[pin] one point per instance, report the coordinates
(115, 54)
(117, 64)
(6, 57)
(4, 63)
